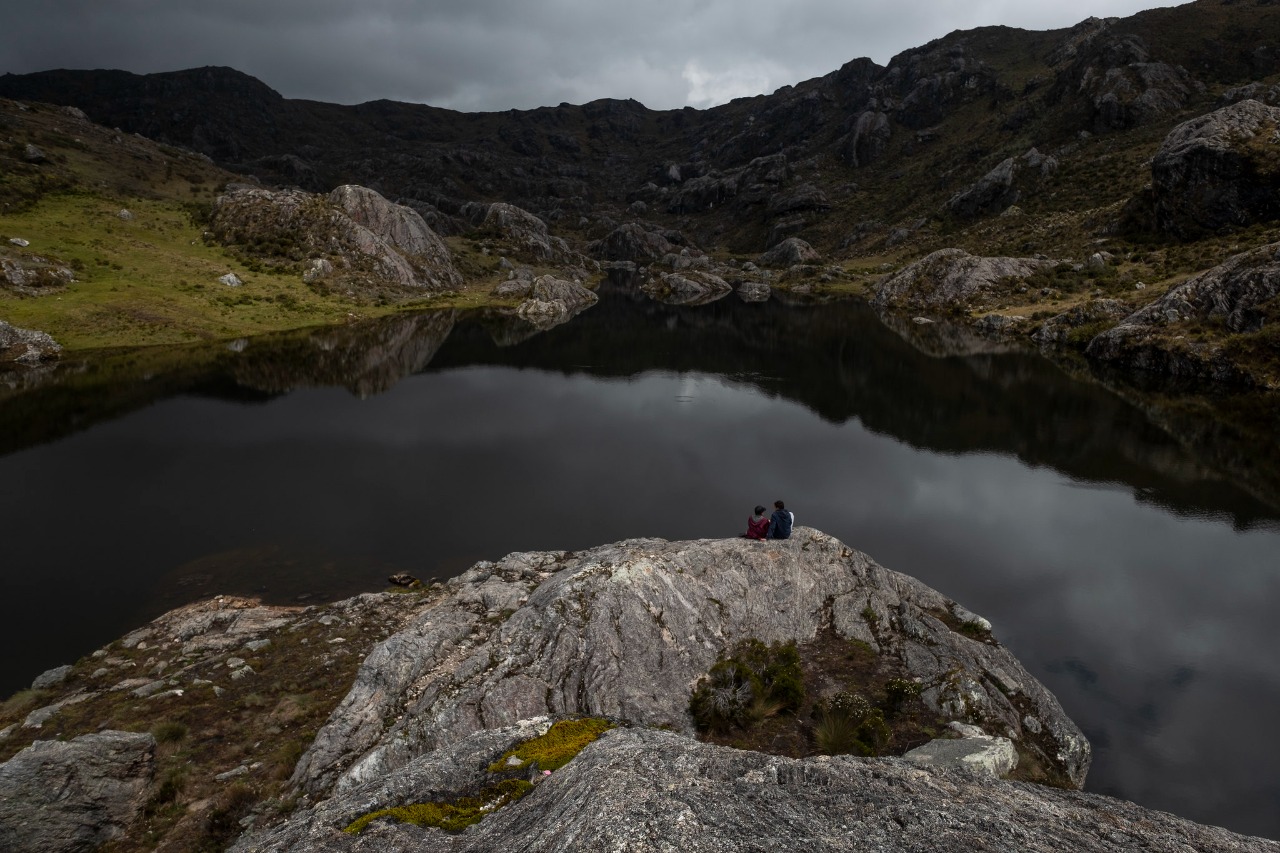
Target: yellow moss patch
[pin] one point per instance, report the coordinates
(450, 816)
(556, 748)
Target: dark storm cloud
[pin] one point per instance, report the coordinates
(499, 54)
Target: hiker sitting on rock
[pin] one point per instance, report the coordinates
(781, 522)
(757, 525)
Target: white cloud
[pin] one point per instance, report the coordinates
(711, 88)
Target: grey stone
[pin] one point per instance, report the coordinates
(26, 346)
(34, 154)
(1056, 330)
(52, 677)
(754, 291)
(230, 280)
(952, 279)
(19, 242)
(125, 215)
(257, 645)
(234, 773)
(789, 252)
(148, 689)
(687, 288)
(233, 663)
(992, 756)
(77, 795)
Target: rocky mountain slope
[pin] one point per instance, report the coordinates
(220, 697)
(1092, 145)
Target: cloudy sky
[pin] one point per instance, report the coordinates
(500, 54)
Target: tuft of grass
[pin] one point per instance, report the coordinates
(755, 682)
(169, 731)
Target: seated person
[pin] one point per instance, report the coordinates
(780, 522)
(757, 525)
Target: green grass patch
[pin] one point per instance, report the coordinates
(451, 816)
(553, 750)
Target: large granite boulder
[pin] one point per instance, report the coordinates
(1237, 297)
(1219, 170)
(26, 346)
(953, 280)
(74, 795)
(624, 630)
(690, 287)
(641, 789)
(553, 300)
(788, 253)
(404, 229)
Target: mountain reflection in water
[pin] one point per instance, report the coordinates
(1144, 600)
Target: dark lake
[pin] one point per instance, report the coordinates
(1124, 541)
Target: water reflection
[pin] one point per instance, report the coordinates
(1088, 529)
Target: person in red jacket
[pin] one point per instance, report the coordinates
(757, 525)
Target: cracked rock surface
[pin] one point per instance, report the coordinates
(647, 790)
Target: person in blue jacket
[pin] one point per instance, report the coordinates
(781, 522)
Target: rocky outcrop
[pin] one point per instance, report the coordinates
(687, 288)
(335, 239)
(527, 234)
(953, 280)
(868, 138)
(1057, 330)
(643, 789)
(404, 229)
(76, 795)
(26, 346)
(789, 252)
(33, 274)
(1003, 186)
(633, 242)
(553, 300)
(624, 630)
(1219, 170)
(1236, 297)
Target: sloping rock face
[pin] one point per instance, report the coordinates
(1000, 188)
(336, 237)
(1239, 295)
(26, 346)
(77, 795)
(1218, 170)
(527, 233)
(639, 789)
(405, 230)
(625, 630)
(951, 280)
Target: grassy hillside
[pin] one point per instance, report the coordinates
(125, 216)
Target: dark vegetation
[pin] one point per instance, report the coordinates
(830, 697)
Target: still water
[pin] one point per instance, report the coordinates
(1129, 554)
